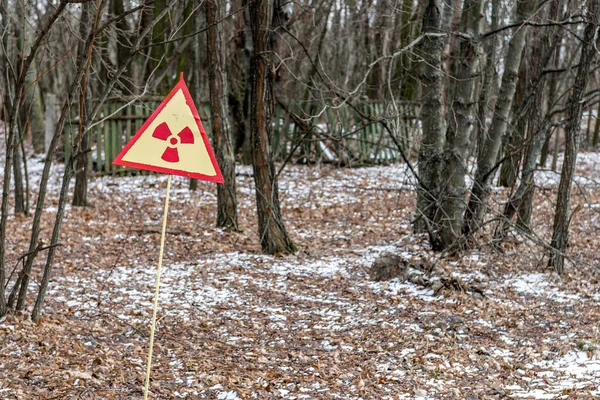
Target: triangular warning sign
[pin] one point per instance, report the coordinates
(173, 141)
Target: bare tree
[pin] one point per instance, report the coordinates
(486, 161)
(575, 107)
(461, 120)
(432, 116)
(273, 235)
(217, 75)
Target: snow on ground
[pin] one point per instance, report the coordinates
(235, 324)
(218, 287)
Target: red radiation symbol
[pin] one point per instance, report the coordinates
(163, 132)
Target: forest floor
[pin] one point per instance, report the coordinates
(235, 324)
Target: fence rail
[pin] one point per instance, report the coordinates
(339, 135)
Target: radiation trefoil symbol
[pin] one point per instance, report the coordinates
(162, 132)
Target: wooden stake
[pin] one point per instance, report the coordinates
(160, 259)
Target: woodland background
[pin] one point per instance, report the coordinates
(470, 115)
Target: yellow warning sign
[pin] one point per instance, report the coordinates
(173, 141)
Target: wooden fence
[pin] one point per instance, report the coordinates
(114, 127)
(338, 135)
(342, 135)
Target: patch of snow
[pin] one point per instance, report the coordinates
(579, 371)
(539, 286)
(228, 396)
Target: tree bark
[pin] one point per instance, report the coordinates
(461, 119)
(572, 139)
(549, 49)
(486, 162)
(432, 116)
(247, 58)
(217, 74)
(273, 235)
(383, 24)
(3, 55)
(596, 135)
(489, 81)
(81, 161)
(517, 131)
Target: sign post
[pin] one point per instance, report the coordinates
(171, 141)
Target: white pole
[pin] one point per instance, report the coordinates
(160, 259)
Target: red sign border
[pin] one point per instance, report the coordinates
(218, 178)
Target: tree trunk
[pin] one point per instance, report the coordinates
(83, 55)
(432, 116)
(383, 24)
(3, 55)
(572, 139)
(39, 302)
(217, 75)
(274, 238)
(486, 163)
(247, 57)
(488, 83)
(22, 284)
(13, 112)
(33, 111)
(596, 128)
(197, 52)
(461, 119)
(81, 177)
(525, 189)
(80, 163)
(517, 131)
(549, 49)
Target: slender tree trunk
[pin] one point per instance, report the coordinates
(525, 189)
(274, 238)
(3, 55)
(552, 90)
(449, 56)
(409, 83)
(217, 75)
(19, 193)
(31, 116)
(517, 131)
(383, 24)
(81, 175)
(489, 78)
(247, 57)
(22, 284)
(486, 163)
(82, 62)
(550, 43)
(22, 125)
(39, 302)
(13, 112)
(596, 135)
(460, 123)
(529, 102)
(432, 116)
(197, 52)
(237, 70)
(81, 162)
(575, 106)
